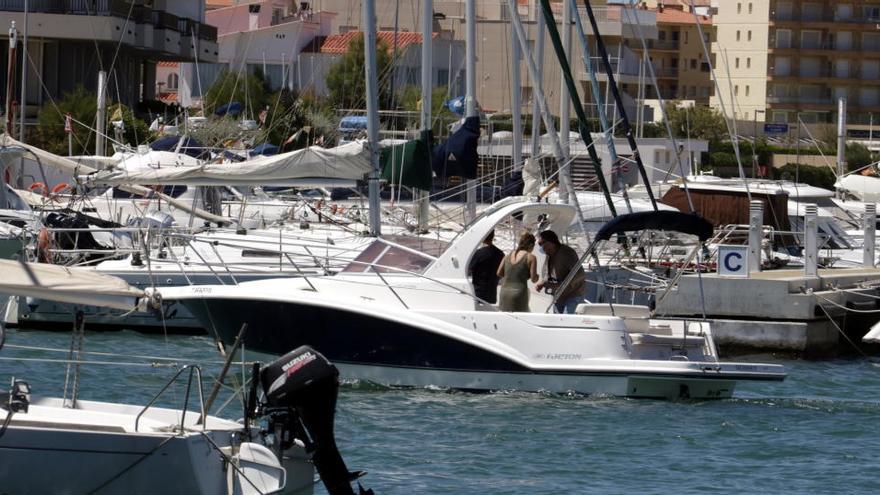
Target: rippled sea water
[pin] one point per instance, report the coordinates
(817, 432)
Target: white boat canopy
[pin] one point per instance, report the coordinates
(313, 166)
(67, 284)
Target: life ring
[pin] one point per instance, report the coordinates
(39, 185)
(44, 246)
(60, 187)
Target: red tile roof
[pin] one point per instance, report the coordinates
(338, 43)
(676, 16)
(167, 64)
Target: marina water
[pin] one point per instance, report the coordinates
(814, 433)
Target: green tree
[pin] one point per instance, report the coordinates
(249, 90)
(411, 101)
(136, 130)
(285, 116)
(346, 80)
(702, 122)
(857, 156)
(82, 106)
(807, 174)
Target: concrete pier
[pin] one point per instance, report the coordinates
(780, 310)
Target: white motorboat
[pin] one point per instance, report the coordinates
(404, 315)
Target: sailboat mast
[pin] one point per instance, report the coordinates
(24, 71)
(564, 175)
(516, 101)
(565, 101)
(427, 90)
(372, 114)
(612, 84)
(470, 99)
(10, 78)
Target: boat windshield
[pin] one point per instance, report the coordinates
(397, 254)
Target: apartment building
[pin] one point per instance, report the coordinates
(677, 54)
(494, 37)
(785, 60)
(69, 41)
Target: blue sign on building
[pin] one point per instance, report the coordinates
(775, 128)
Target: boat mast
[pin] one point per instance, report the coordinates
(24, 71)
(372, 114)
(10, 79)
(565, 102)
(599, 100)
(538, 95)
(612, 83)
(470, 98)
(564, 175)
(101, 117)
(516, 102)
(538, 55)
(427, 87)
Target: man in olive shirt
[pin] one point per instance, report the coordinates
(562, 259)
(483, 269)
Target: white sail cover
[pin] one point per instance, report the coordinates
(66, 284)
(75, 168)
(864, 188)
(310, 166)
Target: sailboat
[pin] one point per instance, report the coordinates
(67, 444)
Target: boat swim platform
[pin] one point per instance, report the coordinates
(780, 310)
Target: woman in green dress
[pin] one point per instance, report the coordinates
(516, 269)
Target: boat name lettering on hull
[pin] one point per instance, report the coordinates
(559, 357)
(201, 290)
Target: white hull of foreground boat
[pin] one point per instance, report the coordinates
(96, 448)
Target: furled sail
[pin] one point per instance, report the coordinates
(313, 166)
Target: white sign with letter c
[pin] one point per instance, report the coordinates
(733, 261)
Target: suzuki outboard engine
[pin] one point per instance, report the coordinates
(301, 389)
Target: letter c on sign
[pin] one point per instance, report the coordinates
(733, 262)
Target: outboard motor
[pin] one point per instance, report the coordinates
(301, 389)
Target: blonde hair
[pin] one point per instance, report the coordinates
(526, 242)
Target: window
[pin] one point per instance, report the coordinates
(747, 90)
(694, 63)
(442, 77)
(750, 35)
(173, 81)
(783, 38)
(750, 7)
(811, 40)
(686, 37)
(736, 90)
(738, 36)
(737, 63)
(739, 8)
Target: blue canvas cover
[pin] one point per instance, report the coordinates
(189, 147)
(686, 223)
(457, 156)
(232, 109)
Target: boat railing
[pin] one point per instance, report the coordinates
(194, 370)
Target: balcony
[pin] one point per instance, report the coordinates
(829, 17)
(669, 45)
(666, 72)
(118, 8)
(801, 100)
